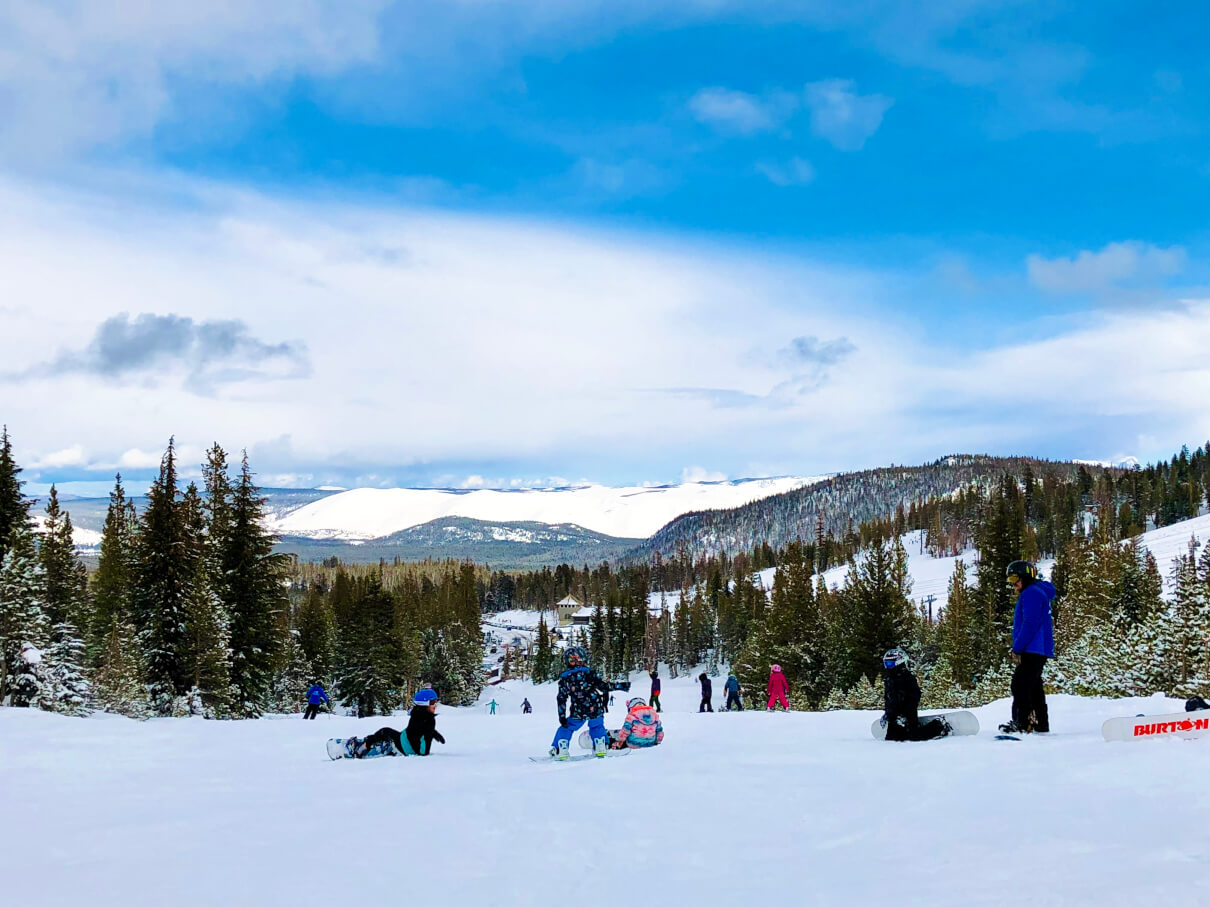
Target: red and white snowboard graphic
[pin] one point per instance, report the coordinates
(1182, 724)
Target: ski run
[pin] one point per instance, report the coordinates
(733, 808)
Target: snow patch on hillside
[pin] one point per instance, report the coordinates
(630, 512)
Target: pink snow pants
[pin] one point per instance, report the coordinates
(778, 697)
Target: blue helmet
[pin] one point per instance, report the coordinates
(574, 654)
(425, 697)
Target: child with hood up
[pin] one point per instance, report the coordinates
(779, 688)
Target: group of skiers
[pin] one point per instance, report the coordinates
(583, 695)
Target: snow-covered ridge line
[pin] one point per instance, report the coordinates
(627, 512)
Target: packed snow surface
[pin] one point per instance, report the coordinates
(752, 808)
(634, 512)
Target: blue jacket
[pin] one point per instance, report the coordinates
(316, 694)
(732, 684)
(1033, 627)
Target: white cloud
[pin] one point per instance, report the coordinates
(701, 474)
(1116, 264)
(794, 172)
(482, 340)
(60, 459)
(740, 112)
(76, 73)
(843, 117)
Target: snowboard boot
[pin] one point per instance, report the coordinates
(600, 746)
(563, 753)
(1011, 727)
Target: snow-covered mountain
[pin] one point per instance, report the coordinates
(634, 512)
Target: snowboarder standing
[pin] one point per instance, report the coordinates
(417, 739)
(707, 693)
(315, 698)
(778, 689)
(655, 689)
(902, 701)
(526, 708)
(491, 707)
(587, 693)
(731, 688)
(1033, 643)
(642, 728)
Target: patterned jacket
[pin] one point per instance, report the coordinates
(587, 692)
(641, 728)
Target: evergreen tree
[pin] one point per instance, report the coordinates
(368, 671)
(208, 650)
(317, 635)
(66, 580)
(877, 608)
(23, 622)
(165, 586)
(959, 630)
(14, 509)
(111, 584)
(64, 688)
(254, 596)
(544, 657)
(118, 684)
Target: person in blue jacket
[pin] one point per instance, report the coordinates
(732, 689)
(1033, 643)
(315, 698)
(587, 693)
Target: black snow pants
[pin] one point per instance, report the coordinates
(733, 699)
(925, 729)
(311, 712)
(1029, 696)
(706, 705)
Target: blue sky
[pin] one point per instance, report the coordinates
(515, 243)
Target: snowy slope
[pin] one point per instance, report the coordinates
(1166, 543)
(635, 512)
(751, 808)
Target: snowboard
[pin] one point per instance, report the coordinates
(342, 748)
(1181, 724)
(609, 754)
(961, 724)
(585, 739)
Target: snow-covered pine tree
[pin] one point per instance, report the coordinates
(22, 618)
(316, 627)
(255, 596)
(291, 676)
(959, 632)
(64, 686)
(208, 648)
(14, 508)
(118, 683)
(66, 580)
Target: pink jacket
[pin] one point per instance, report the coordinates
(777, 683)
(641, 728)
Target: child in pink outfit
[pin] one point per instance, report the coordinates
(778, 688)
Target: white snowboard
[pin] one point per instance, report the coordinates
(1146, 727)
(609, 754)
(962, 724)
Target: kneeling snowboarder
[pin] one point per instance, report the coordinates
(903, 702)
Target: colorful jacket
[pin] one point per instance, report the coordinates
(655, 685)
(777, 683)
(1033, 627)
(587, 692)
(641, 728)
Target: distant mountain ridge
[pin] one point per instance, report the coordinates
(843, 501)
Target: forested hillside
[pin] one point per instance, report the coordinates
(838, 505)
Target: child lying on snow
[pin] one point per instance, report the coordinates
(417, 739)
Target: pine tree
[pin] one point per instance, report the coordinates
(111, 584)
(208, 650)
(64, 687)
(877, 608)
(165, 586)
(23, 622)
(14, 509)
(544, 657)
(316, 627)
(66, 580)
(118, 685)
(254, 596)
(958, 630)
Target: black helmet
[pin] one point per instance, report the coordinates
(1023, 571)
(573, 656)
(893, 658)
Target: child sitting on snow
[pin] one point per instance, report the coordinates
(903, 700)
(642, 727)
(417, 739)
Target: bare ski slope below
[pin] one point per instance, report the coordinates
(634, 512)
(751, 808)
